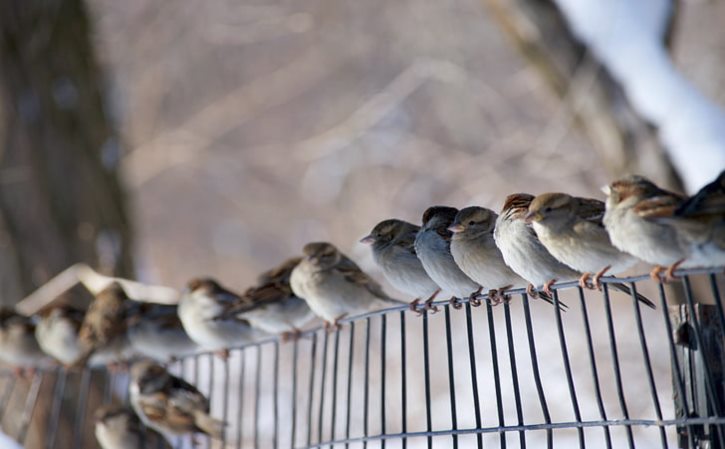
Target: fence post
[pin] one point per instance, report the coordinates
(692, 362)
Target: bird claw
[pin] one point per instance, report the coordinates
(493, 297)
(455, 303)
(597, 277)
(531, 290)
(428, 306)
(670, 275)
(290, 335)
(222, 354)
(655, 273)
(474, 298)
(413, 306)
(584, 281)
(547, 286)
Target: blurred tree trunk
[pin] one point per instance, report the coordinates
(60, 196)
(625, 142)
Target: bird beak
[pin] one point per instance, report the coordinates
(368, 239)
(532, 216)
(606, 190)
(456, 228)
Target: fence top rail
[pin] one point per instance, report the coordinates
(404, 307)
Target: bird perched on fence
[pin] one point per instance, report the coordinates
(433, 247)
(57, 333)
(168, 404)
(571, 229)
(155, 331)
(118, 427)
(475, 252)
(334, 286)
(103, 332)
(201, 310)
(700, 225)
(522, 250)
(393, 246)
(633, 208)
(18, 346)
(271, 305)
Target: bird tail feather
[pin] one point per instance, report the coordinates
(210, 426)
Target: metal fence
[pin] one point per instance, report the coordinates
(604, 372)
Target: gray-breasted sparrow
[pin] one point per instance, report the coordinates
(393, 245)
(155, 331)
(334, 286)
(475, 251)
(201, 310)
(522, 250)
(633, 208)
(168, 404)
(571, 229)
(433, 247)
(271, 305)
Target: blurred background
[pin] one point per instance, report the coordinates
(163, 140)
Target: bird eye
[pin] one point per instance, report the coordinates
(548, 209)
(471, 223)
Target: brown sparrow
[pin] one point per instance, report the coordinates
(168, 404)
(334, 286)
(118, 427)
(271, 305)
(475, 251)
(522, 250)
(393, 245)
(633, 208)
(104, 325)
(202, 312)
(155, 331)
(18, 346)
(57, 333)
(571, 229)
(433, 247)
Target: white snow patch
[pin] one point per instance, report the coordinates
(627, 37)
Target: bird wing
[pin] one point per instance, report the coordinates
(710, 200)
(354, 274)
(406, 242)
(660, 206)
(591, 210)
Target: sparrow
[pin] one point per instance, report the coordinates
(118, 427)
(271, 305)
(155, 332)
(433, 247)
(393, 246)
(57, 333)
(522, 250)
(201, 310)
(475, 252)
(700, 225)
(103, 332)
(571, 229)
(334, 286)
(18, 346)
(634, 209)
(168, 404)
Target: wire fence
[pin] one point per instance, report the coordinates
(604, 372)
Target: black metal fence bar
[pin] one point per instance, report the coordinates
(343, 400)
